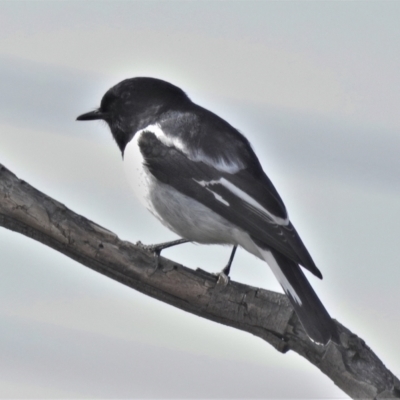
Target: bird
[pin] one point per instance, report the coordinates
(201, 178)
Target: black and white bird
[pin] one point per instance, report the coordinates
(200, 177)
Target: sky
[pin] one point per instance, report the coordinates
(313, 85)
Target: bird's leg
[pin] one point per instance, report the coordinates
(158, 248)
(223, 276)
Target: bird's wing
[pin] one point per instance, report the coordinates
(243, 198)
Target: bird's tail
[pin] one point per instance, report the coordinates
(312, 314)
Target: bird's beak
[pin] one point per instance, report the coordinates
(96, 114)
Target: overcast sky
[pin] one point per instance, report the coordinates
(315, 88)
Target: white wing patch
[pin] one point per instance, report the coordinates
(219, 198)
(287, 287)
(220, 164)
(248, 199)
(163, 138)
(196, 155)
(216, 195)
(245, 197)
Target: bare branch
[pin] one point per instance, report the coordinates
(352, 366)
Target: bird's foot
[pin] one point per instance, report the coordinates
(223, 276)
(156, 249)
(223, 279)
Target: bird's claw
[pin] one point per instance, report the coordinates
(223, 279)
(158, 248)
(152, 248)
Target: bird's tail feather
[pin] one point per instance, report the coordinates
(312, 314)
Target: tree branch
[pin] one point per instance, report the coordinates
(352, 366)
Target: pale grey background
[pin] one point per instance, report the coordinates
(313, 85)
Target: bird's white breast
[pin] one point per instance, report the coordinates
(137, 174)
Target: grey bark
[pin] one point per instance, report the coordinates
(353, 366)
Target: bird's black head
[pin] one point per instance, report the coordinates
(135, 103)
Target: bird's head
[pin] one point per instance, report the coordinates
(135, 103)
